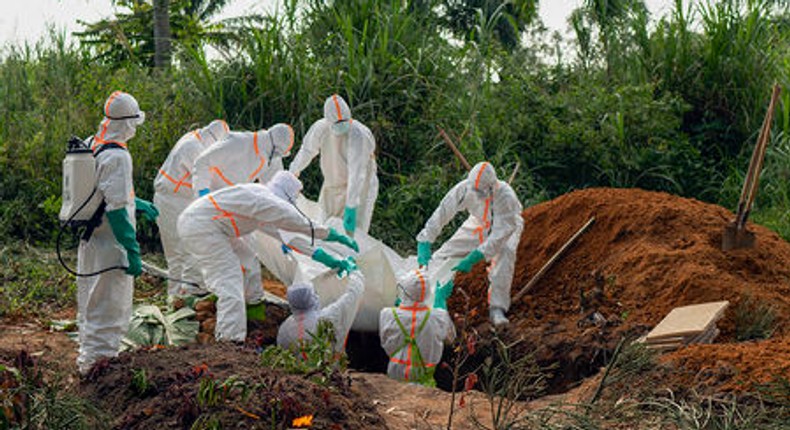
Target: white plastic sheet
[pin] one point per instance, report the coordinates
(380, 265)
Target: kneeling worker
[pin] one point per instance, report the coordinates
(295, 332)
(412, 333)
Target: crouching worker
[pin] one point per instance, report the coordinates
(212, 228)
(413, 334)
(491, 233)
(104, 301)
(298, 329)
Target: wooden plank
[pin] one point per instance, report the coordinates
(551, 261)
(688, 320)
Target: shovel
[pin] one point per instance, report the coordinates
(735, 233)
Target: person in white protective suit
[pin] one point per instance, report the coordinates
(172, 194)
(104, 301)
(348, 164)
(295, 332)
(213, 225)
(413, 334)
(243, 157)
(492, 232)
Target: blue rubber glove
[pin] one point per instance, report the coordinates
(441, 294)
(350, 219)
(470, 260)
(423, 253)
(147, 208)
(285, 248)
(203, 192)
(124, 233)
(334, 236)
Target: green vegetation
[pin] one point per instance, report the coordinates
(316, 359)
(666, 103)
(29, 400)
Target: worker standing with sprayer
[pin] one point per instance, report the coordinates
(104, 300)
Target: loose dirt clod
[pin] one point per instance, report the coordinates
(647, 253)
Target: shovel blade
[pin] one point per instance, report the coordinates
(736, 238)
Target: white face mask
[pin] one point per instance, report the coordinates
(341, 127)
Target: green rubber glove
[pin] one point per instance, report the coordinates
(423, 253)
(334, 236)
(147, 208)
(441, 294)
(124, 233)
(346, 266)
(470, 260)
(327, 260)
(350, 219)
(352, 264)
(397, 301)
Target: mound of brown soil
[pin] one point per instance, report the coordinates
(221, 385)
(646, 253)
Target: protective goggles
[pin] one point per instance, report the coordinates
(138, 118)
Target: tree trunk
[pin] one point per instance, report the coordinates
(162, 48)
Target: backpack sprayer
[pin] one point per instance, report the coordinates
(83, 208)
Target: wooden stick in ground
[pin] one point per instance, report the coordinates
(455, 150)
(762, 144)
(552, 260)
(513, 175)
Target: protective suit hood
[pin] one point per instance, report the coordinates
(412, 287)
(302, 297)
(215, 131)
(336, 109)
(285, 186)
(482, 178)
(122, 115)
(279, 140)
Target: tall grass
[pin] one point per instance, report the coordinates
(676, 109)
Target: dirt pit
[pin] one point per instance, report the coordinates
(646, 253)
(220, 384)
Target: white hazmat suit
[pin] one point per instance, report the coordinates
(493, 230)
(295, 331)
(212, 228)
(348, 164)
(104, 301)
(173, 193)
(413, 334)
(243, 157)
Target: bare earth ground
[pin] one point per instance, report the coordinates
(402, 406)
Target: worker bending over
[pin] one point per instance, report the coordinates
(244, 157)
(212, 228)
(172, 194)
(492, 232)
